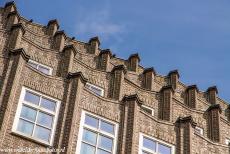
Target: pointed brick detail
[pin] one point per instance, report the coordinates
(17, 31)
(12, 18)
(148, 78)
(174, 78)
(52, 27)
(117, 79)
(133, 61)
(191, 96)
(212, 94)
(9, 7)
(59, 40)
(214, 112)
(165, 105)
(104, 59)
(94, 45)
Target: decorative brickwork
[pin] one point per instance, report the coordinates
(120, 89)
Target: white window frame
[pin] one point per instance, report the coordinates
(199, 130)
(94, 86)
(148, 108)
(154, 139)
(82, 126)
(227, 141)
(39, 64)
(18, 112)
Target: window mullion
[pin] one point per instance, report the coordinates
(35, 123)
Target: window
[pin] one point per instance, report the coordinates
(96, 136)
(36, 116)
(150, 145)
(227, 141)
(40, 67)
(147, 109)
(97, 90)
(199, 130)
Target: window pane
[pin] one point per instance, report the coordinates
(32, 98)
(107, 127)
(87, 149)
(89, 137)
(150, 144)
(45, 119)
(43, 69)
(143, 152)
(28, 113)
(91, 121)
(96, 91)
(162, 149)
(25, 127)
(32, 64)
(42, 133)
(105, 143)
(48, 104)
(99, 151)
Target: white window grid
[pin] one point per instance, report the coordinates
(157, 141)
(144, 107)
(33, 63)
(96, 130)
(92, 88)
(37, 108)
(199, 130)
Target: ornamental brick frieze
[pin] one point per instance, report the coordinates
(100, 107)
(86, 59)
(34, 28)
(38, 81)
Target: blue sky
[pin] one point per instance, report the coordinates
(192, 36)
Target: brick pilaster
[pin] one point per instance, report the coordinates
(214, 122)
(65, 136)
(104, 59)
(9, 7)
(174, 78)
(133, 62)
(17, 31)
(128, 130)
(17, 60)
(212, 94)
(52, 27)
(191, 96)
(117, 79)
(184, 131)
(148, 78)
(94, 45)
(165, 105)
(59, 40)
(12, 18)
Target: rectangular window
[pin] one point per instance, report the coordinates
(36, 116)
(199, 130)
(150, 145)
(40, 67)
(95, 89)
(227, 141)
(147, 109)
(96, 135)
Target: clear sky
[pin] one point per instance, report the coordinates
(192, 36)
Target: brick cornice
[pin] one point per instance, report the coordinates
(19, 25)
(77, 75)
(10, 3)
(21, 52)
(96, 38)
(151, 69)
(119, 67)
(135, 55)
(106, 51)
(71, 47)
(54, 21)
(215, 106)
(192, 87)
(13, 13)
(187, 119)
(60, 33)
(174, 72)
(132, 98)
(169, 87)
(213, 88)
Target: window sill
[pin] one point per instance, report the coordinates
(35, 140)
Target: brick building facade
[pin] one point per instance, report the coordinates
(58, 92)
